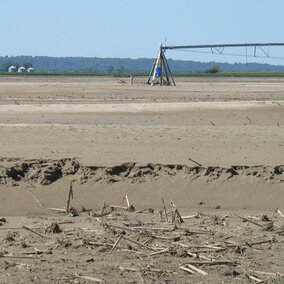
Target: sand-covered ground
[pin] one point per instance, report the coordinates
(213, 147)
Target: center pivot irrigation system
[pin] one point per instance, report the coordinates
(161, 73)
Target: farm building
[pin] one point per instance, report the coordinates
(31, 70)
(22, 69)
(12, 69)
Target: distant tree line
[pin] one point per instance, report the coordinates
(124, 65)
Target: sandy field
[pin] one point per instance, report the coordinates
(106, 182)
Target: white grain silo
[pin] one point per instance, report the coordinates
(22, 69)
(31, 70)
(12, 69)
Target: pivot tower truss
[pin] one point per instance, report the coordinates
(161, 73)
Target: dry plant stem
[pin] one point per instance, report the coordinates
(147, 268)
(187, 270)
(133, 251)
(198, 164)
(159, 252)
(129, 269)
(192, 267)
(19, 256)
(34, 232)
(121, 228)
(151, 218)
(57, 210)
(267, 273)
(118, 207)
(7, 229)
(152, 229)
(179, 216)
(255, 279)
(214, 262)
(260, 242)
(99, 244)
(139, 244)
(103, 209)
(280, 213)
(140, 277)
(209, 250)
(70, 196)
(115, 244)
(88, 278)
(21, 228)
(194, 255)
(35, 198)
(144, 210)
(165, 210)
(250, 221)
(127, 201)
(190, 217)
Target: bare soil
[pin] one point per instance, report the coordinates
(201, 165)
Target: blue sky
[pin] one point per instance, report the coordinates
(134, 28)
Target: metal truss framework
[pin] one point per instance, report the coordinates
(162, 75)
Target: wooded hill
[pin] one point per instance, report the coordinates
(95, 64)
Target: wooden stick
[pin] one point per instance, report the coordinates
(70, 195)
(36, 233)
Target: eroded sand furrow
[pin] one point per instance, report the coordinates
(44, 172)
